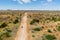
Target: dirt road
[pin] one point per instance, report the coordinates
(22, 33)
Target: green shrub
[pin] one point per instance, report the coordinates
(33, 21)
(33, 35)
(58, 28)
(49, 31)
(47, 19)
(50, 37)
(59, 19)
(3, 25)
(0, 38)
(8, 32)
(37, 29)
(1, 35)
(15, 21)
(54, 19)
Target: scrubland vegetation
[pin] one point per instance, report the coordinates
(44, 25)
(9, 23)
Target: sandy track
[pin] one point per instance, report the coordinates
(22, 33)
